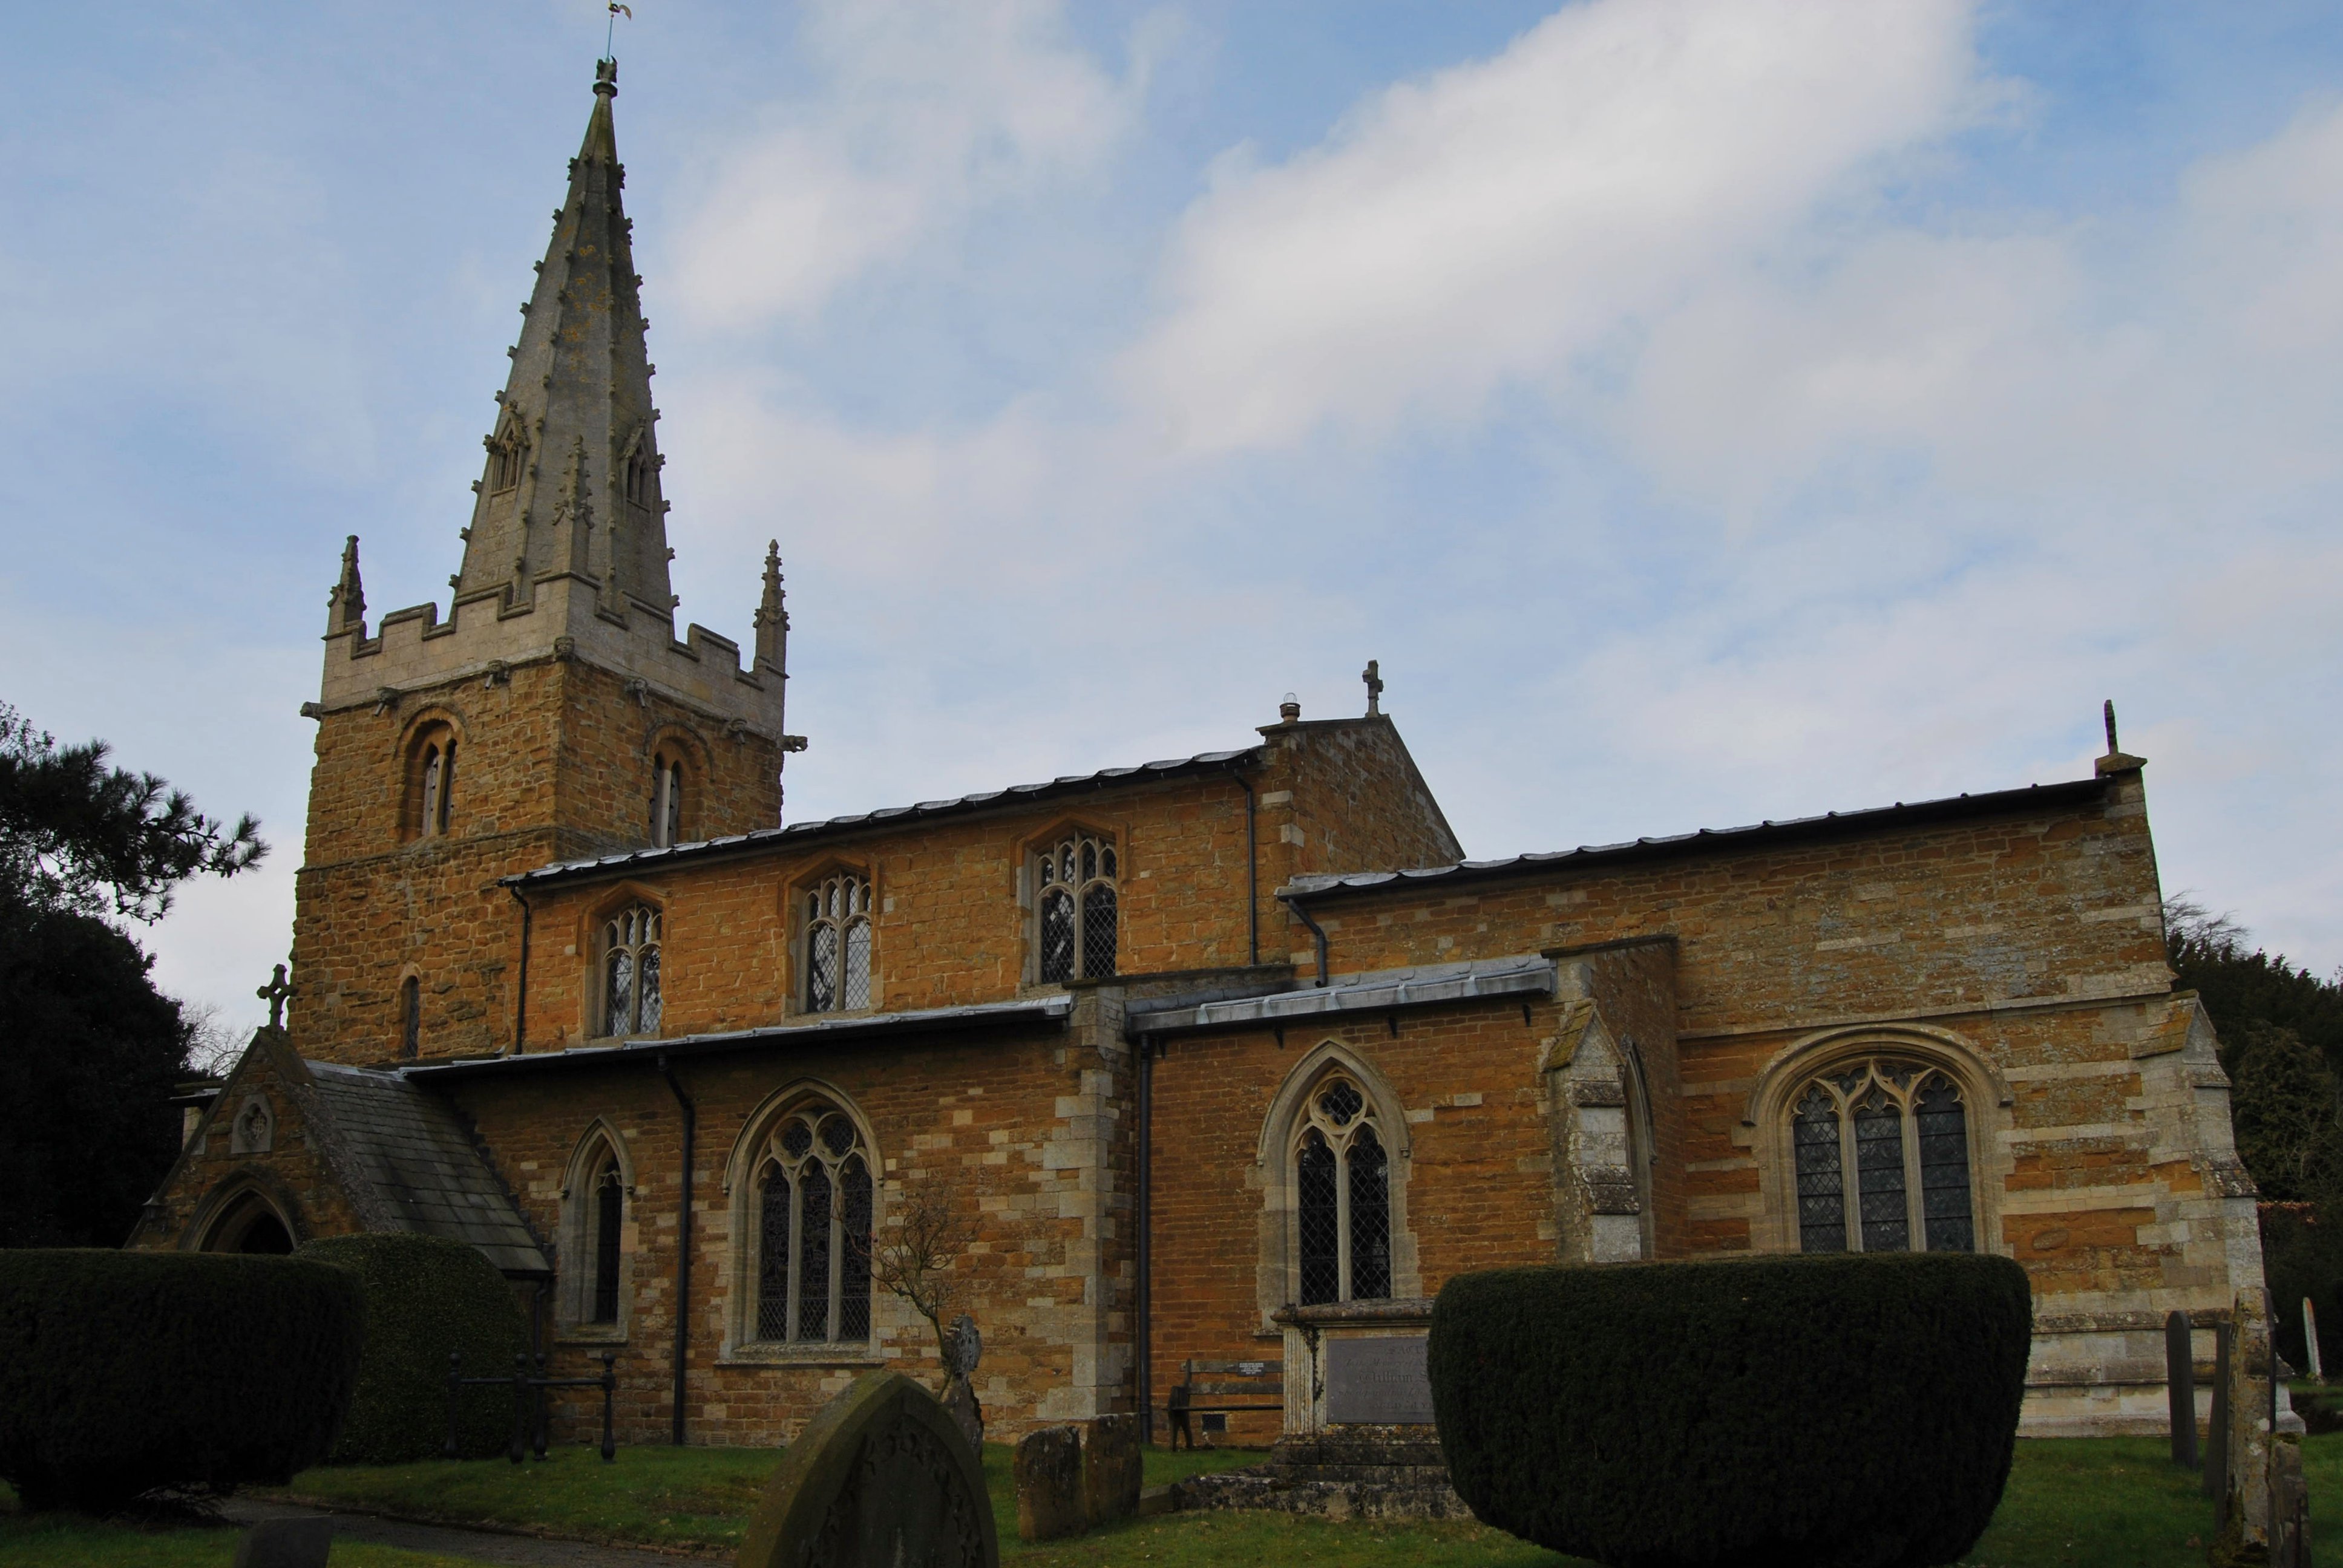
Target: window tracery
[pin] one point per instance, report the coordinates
(1901, 1129)
(1343, 1190)
(837, 945)
(813, 1199)
(507, 457)
(630, 971)
(1077, 909)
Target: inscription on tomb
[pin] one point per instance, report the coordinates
(1381, 1381)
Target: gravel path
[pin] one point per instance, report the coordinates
(480, 1546)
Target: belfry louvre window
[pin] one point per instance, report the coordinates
(1882, 1161)
(667, 802)
(1341, 1177)
(837, 945)
(813, 1232)
(631, 972)
(1077, 904)
(435, 783)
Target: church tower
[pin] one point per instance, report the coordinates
(555, 714)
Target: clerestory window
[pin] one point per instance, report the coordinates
(1076, 908)
(631, 972)
(1342, 1176)
(1892, 1137)
(813, 1231)
(837, 945)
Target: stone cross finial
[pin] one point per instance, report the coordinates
(2110, 712)
(274, 993)
(1373, 676)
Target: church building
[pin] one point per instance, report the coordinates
(1221, 1063)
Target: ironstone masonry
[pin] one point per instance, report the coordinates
(1594, 1055)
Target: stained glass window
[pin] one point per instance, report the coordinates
(1077, 874)
(631, 972)
(1341, 1198)
(815, 1203)
(1898, 1129)
(837, 945)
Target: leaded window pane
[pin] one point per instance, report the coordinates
(1821, 1189)
(1318, 1220)
(797, 1138)
(854, 1250)
(1879, 1173)
(1943, 1127)
(857, 990)
(647, 990)
(1370, 1217)
(621, 993)
(1098, 931)
(773, 1256)
(813, 1264)
(1341, 1101)
(822, 969)
(1058, 936)
(609, 1207)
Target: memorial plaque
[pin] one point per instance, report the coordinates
(1381, 1381)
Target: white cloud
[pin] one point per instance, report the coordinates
(1494, 220)
(931, 111)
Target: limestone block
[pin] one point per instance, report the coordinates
(1048, 1479)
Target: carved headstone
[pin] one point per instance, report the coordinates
(1111, 1475)
(963, 1348)
(881, 1478)
(1048, 1475)
(1381, 1380)
(286, 1543)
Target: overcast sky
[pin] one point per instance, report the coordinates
(1707, 410)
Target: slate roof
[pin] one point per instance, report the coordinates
(1830, 824)
(872, 1026)
(1377, 991)
(1016, 794)
(423, 1171)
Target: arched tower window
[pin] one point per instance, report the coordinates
(1892, 1136)
(508, 455)
(431, 788)
(638, 480)
(813, 1214)
(837, 945)
(667, 800)
(1076, 879)
(630, 971)
(410, 1018)
(1341, 1178)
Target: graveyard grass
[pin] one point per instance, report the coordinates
(2104, 1503)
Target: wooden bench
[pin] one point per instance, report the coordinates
(1218, 1388)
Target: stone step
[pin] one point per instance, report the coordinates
(1370, 1475)
(1257, 1488)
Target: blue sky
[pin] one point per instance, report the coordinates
(1707, 410)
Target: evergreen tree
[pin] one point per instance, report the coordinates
(92, 1049)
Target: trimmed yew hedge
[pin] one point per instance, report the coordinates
(121, 1372)
(424, 1297)
(1844, 1412)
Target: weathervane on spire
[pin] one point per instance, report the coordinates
(611, 35)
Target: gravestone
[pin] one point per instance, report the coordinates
(963, 1348)
(1049, 1477)
(881, 1478)
(1111, 1474)
(1380, 1380)
(286, 1543)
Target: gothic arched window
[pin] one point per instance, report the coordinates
(507, 457)
(837, 945)
(1341, 1178)
(609, 1214)
(1076, 881)
(813, 1199)
(630, 971)
(1893, 1136)
(667, 800)
(432, 788)
(638, 478)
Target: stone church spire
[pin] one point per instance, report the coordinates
(571, 488)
